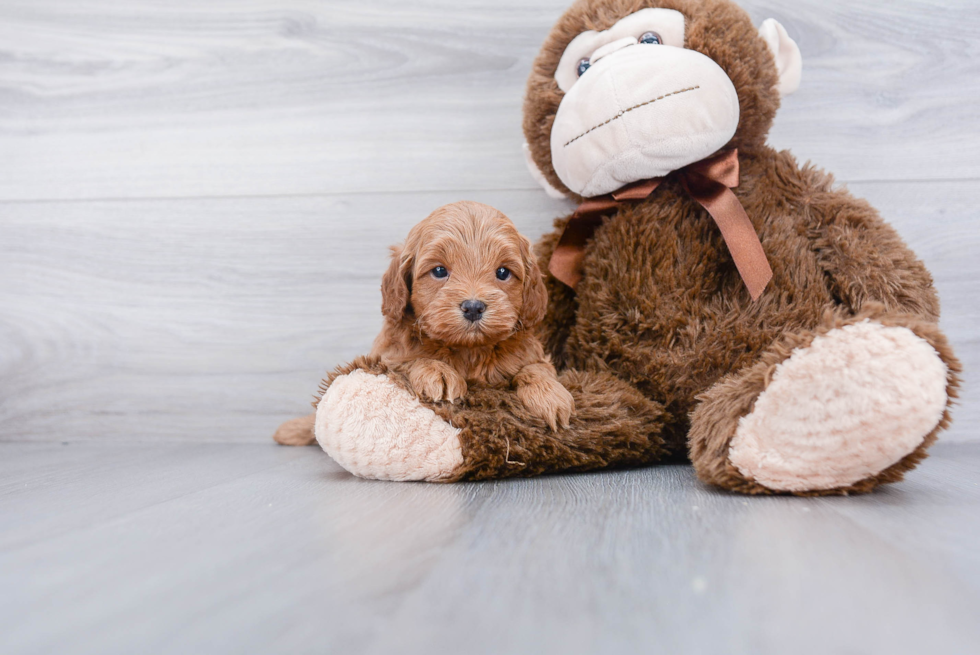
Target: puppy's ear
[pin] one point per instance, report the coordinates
(535, 296)
(396, 285)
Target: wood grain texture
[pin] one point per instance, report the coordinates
(196, 200)
(227, 98)
(242, 548)
(215, 319)
(194, 319)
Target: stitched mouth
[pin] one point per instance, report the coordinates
(623, 112)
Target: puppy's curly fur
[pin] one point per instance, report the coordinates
(465, 252)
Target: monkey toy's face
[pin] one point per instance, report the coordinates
(621, 93)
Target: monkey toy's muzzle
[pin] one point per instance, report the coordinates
(638, 112)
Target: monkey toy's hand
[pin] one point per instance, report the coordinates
(433, 381)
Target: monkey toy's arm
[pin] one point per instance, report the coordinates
(865, 260)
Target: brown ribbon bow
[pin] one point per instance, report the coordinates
(710, 182)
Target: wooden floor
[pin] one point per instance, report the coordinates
(195, 204)
(251, 548)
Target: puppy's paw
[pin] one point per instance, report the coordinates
(433, 380)
(547, 399)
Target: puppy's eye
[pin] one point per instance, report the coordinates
(440, 272)
(503, 273)
(650, 37)
(582, 66)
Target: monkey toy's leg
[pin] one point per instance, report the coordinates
(842, 409)
(374, 427)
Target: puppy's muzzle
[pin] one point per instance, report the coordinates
(473, 310)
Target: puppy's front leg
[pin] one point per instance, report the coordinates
(543, 395)
(434, 380)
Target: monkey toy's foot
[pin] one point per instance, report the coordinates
(377, 429)
(371, 425)
(846, 409)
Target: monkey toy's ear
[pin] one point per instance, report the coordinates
(396, 286)
(539, 176)
(789, 62)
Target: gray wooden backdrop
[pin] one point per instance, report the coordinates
(196, 196)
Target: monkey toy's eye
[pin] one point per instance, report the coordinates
(503, 273)
(651, 37)
(440, 272)
(583, 65)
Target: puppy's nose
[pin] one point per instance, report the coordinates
(473, 309)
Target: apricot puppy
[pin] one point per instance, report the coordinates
(460, 300)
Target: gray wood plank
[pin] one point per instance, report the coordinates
(215, 319)
(183, 99)
(119, 548)
(195, 204)
(194, 319)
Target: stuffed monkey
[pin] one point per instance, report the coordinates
(710, 299)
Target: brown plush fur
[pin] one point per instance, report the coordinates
(614, 426)
(661, 304)
(715, 420)
(661, 346)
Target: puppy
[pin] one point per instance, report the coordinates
(460, 300)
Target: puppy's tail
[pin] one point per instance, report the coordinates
(296, 432)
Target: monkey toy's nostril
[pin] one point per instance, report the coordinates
(473, 309)
(610, 48)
